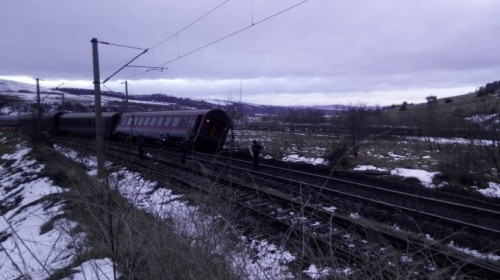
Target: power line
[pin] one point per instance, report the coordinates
(150, 68)
(222, 38)
(191, 24)
(108, 88)
(116, 72)
(163, 41)
(130, 61)
(234, 33)
(117, 45)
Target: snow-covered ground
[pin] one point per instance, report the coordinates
(270, 261)
(425, 177)
(27, 252)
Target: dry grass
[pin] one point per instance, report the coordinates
(463, 164)
(143, 246)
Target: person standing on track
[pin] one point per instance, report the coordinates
(165, 141)
(256, 148)
(185, 146)
(141, 145)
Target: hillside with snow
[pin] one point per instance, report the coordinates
(17, 96)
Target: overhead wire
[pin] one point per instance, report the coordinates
(191, 24)
(235, 32)
(129, 61)
(222, 38)
(132, 60)
(118, 45)
(108, 88)
(162, 42)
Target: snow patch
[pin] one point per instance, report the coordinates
(493, 190)
(26, 252)
(425, 177)
(297, 158)
(368, 168)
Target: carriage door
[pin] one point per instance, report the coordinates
(216, 128)
(196, 126)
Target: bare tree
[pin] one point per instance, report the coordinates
(356, 119)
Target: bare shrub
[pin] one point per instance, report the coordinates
(338, 155)
(464, 167)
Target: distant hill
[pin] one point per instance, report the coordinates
(16, 96)
(457, 112)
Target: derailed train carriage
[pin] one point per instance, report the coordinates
(201, 130)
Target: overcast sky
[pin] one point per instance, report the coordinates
(319, 52)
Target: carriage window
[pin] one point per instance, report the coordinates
(146, 122)
(153, 121)
(175, 123)
(185, 122)
(167, 121)
(136, 121)
(160, 121)
(141, 121)
(130, 121)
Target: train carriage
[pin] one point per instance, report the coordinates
(205, 130)
(9, 122)
(83, 124)
(201, 130)
(46, 122)
(212, 131)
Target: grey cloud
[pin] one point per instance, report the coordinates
(323, 48)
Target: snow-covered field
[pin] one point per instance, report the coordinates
(315, 156)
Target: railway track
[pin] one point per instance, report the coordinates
(478, 226)
(303, 203)
(480, 216)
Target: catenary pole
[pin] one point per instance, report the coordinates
(38, 103)
(38, 116)
(98, 110)
(126, 95)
